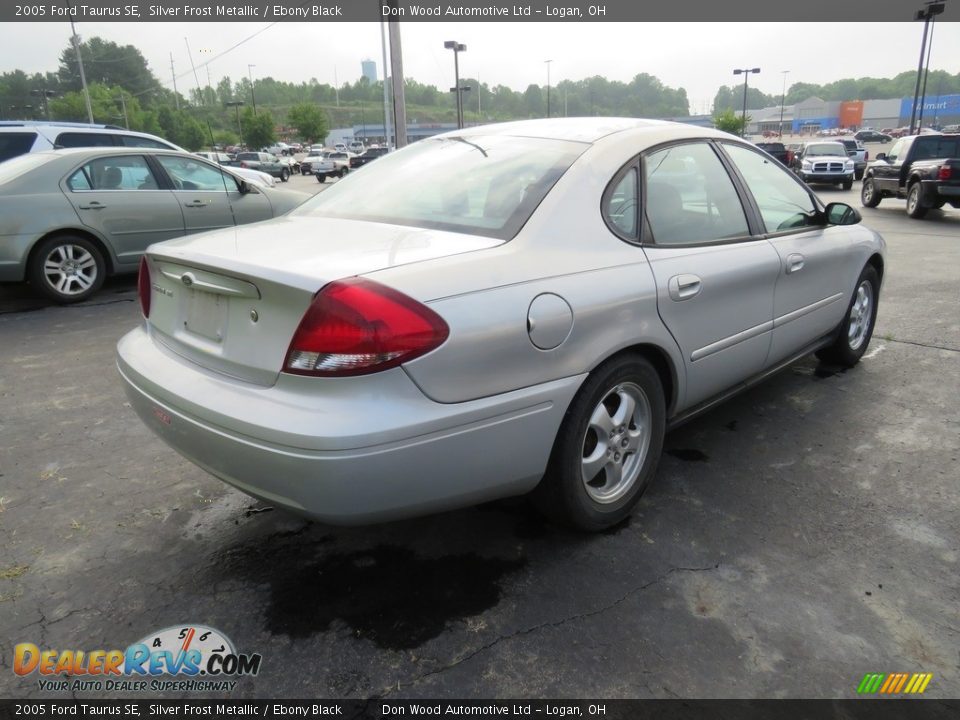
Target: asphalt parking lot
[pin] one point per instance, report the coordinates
(795, 538)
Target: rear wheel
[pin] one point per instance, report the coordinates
(608, 447)
(915, 208)
(67, 268)
(847, 184)
(869, 194)
(284, 175)
(321, 177)
(857, 327)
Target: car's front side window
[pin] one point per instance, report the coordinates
(896, 150)
(783, 202)
(690, 198)
(188, 174)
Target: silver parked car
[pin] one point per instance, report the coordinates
(70, 217)
(504, 309)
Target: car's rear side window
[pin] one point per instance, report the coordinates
(14, 144)
(122, 172)
(81, 140)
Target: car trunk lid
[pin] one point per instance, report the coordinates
(231, 300)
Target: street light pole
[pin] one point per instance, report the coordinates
(783, 99)
(933, 8)
(457, 49)
(83, 77)
(746, 74)
(547, 62)
(926, 74)
(253, 97)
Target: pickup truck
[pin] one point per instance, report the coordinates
(777, 149)
(858, 153)
(368, 156)
(824, 161)
(924, 169)
(264, 162)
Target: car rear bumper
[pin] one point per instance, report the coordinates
(344, 451)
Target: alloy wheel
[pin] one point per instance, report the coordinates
(70, 269)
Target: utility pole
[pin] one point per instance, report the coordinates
(932, 9)
(386, 92)
(253, 97)
(336, 85)
(209, 85)
(548, 85)
(83, 76)
(926, 74)
(173, 74)
(396, 74)
(123, 104)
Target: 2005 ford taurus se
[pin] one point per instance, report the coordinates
(512, 308)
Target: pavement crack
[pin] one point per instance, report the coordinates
(920, 344)
(554, 623)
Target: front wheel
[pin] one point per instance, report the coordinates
(321, 177)
(847, 184)
(869, 195)
(915, 208)
(67, 269)
(857, 327)
(608, 447)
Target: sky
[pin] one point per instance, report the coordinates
(699, 57)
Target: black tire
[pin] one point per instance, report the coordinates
(869, 194)
(563, 493)
(858, 175)
(343, 171)
(847, 184)
(852, 340)
(83, 268)
(321, 177)
(284, 175)
(915, 206)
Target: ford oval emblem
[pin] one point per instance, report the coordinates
(187, 279)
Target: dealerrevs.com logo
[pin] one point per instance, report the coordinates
(178, 658)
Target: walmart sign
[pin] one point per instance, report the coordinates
(932, 105)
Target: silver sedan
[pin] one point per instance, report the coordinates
(505, 309)
(68, 218)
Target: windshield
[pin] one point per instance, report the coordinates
(479, 185)
(14, 168)
(824, 149)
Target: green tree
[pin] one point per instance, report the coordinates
(730, 121)
(109, 64)
(258, 130)
(310, 121)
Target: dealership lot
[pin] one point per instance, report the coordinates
(795, 538)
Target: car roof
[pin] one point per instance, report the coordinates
(593, 129)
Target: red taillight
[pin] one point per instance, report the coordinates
(866, 155)
(243, 164)
(944, 172)
(356, 327)
(143, 287)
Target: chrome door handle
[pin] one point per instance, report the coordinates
(684, 287)
(196, 204)
(92, 205)
(794, 263)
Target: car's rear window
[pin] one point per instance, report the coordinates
(934, 147)
(248, 156)
(478, 185)
(16, 143)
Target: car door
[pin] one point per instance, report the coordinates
(809, 297)
(715, 279)
(210, 198)
(886, 172)
(120, 197)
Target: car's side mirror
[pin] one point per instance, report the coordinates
(838, 213)
(244, 187)
(881, 156)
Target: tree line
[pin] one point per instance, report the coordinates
(125, 91)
